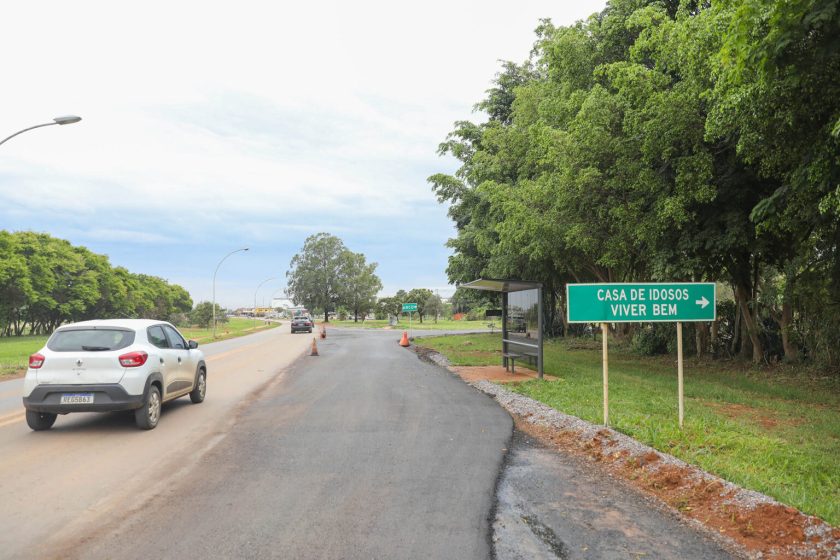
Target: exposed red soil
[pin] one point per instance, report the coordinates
(764, 417)
(766, 531)
(497, 374)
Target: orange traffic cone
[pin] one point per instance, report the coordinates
(323, 332)
(314, 351)
(404, 342)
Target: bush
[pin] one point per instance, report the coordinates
(202, 315)
(180, 320)
(476, 314)
(654, 338)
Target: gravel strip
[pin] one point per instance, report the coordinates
(539, 414)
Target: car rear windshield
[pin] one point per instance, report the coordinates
(90, 340)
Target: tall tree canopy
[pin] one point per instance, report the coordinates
(361, 286)
(325, 274)
(45, 282)
(665, 141)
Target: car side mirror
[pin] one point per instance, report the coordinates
(193, 344)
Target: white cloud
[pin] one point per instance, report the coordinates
(259, 119)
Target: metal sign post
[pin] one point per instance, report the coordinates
(409, 308)
(641, 303)
(605, 327)
(680, 371)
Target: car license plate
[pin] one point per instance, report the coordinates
(77, 398)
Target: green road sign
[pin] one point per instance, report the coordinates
(632, 303)
(409, 307)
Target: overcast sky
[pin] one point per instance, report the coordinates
(209, 126)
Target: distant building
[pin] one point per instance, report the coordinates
(282, 303)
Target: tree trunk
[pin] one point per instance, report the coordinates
(785, 323)
(701, 336)
(565, 321)
(713, 336)
(750, 323)
(745, 350)
(736, 329)
(326, 315)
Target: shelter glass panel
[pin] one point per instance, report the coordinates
(523, 316)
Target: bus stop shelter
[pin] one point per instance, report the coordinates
(522, 319)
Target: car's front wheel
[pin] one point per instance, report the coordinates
(200, 389)
(147, 416)
(40, 420)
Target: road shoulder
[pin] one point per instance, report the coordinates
(747, 523)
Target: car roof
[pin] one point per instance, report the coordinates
(134, 324)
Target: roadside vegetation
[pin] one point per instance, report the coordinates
(15, 351)
(666, 141)
(326, 275)
(773, 429)
(232, 328)
(46, 282)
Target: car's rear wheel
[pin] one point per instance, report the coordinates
(148, 415)
(200, 389)
(40, 420)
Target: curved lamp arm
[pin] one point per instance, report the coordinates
(70, 119)
(214, 285)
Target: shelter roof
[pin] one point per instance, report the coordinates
(507, 285)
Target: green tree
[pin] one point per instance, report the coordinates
(627, 148)
(386, 307)
(419, 296)
(202, 314)
(361, 284)
(318, 273)
(433, 306)
(45, 282)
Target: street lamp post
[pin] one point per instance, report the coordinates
(255, 298)
(214, 286)
(69, 119)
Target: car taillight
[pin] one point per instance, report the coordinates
(133, 359)
(36, 361)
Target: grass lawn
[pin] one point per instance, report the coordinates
(15, 351)
(427, 325)
(233, 328)
(775, 430)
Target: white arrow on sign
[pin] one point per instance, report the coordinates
(702, 302)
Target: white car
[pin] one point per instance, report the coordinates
(118, 364)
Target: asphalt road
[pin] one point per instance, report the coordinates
(361, 452)
(90, 467)
(552, 505)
